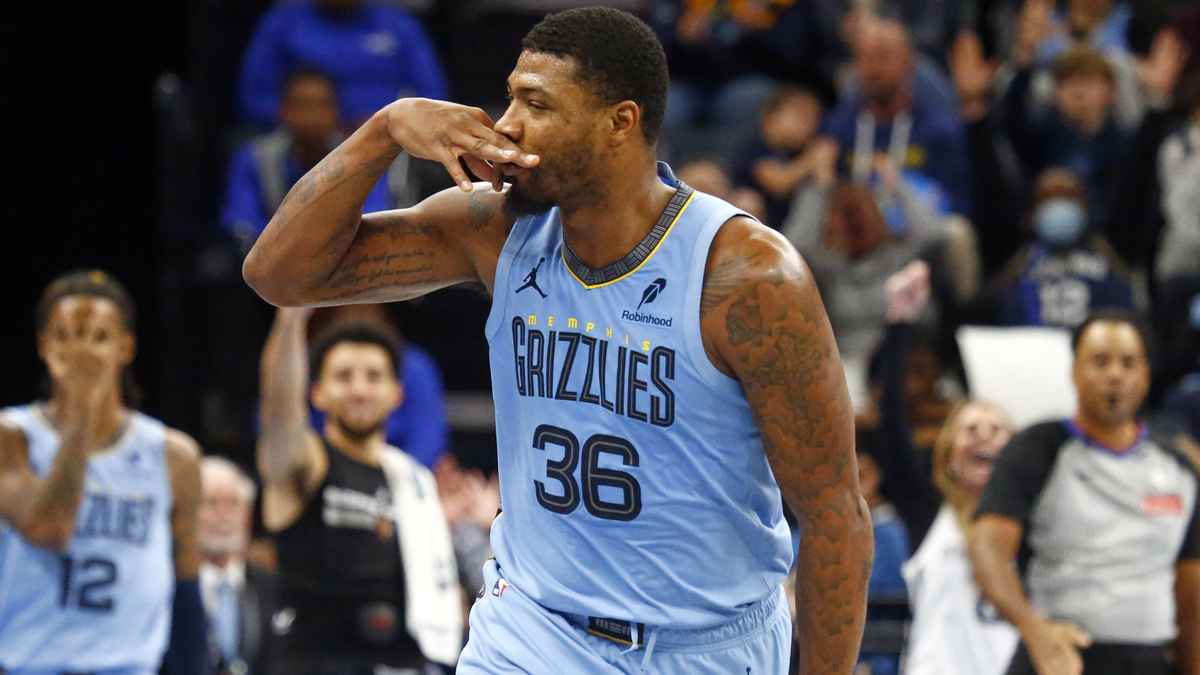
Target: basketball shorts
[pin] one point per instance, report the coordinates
(513, 635)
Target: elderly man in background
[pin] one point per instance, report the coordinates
(237, 597)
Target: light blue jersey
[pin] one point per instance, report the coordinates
(104, 603)
(632, 476)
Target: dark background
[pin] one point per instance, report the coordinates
(79, 148)
(118, 123)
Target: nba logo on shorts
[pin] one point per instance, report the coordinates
(498, 588)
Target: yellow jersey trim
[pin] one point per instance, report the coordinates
(563, 254)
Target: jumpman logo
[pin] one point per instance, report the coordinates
(531, 279)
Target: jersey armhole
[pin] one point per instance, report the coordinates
(517, 236)
(694, 339)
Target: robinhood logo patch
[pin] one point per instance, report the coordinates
(648, 296)
(651, 293)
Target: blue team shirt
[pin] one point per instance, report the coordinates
(375, 55)
(103, 605)
(632, 476)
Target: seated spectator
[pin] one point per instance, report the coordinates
(885, 119)
(238, 597)
(1068, 271)
(374, 52)
(1078, 133)
(784, 153)
(707, 176)
(845, 239)
(266, 167)
(726, 57)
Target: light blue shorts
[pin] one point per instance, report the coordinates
(513, 635)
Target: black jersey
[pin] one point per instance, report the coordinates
(341, 577)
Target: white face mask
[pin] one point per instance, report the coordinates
(1059, 222)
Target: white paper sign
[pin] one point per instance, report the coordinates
(1026, 371)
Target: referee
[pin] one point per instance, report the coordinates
(1099, 514)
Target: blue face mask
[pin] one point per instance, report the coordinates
(1059, 222)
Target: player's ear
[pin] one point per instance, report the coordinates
(399, 395)
(626, 118)
(316, 396)
(128, 348)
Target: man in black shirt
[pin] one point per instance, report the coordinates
(1100, 514)
(367, 573)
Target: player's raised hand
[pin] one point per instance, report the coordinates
(444, 132)
(1168, 55)
(972, 73)
(77, 362)
(907, 292)
(1036, 23)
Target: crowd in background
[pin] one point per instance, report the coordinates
(1037, 160)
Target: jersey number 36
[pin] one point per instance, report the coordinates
(592, 477)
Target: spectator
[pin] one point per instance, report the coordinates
(471, 502)
(238, 597)
(784, 154)
(419, 426)
(954, 631)
(1177, 264)
(1139, 83)
(264, 169)
(1067, 271)
(725, 58)
(886, 122)
(931, 23)
(891, 550)
(374, 52)
(365, 559)
(844, 238)
(1105, 510)
(1078, 133)
(706, 175)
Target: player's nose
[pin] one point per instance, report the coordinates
(508, 126)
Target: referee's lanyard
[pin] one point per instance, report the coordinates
(864, 143)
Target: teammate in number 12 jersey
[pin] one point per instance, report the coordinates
(98, 550)
(662, 367)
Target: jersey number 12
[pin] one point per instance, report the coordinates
(84, 582)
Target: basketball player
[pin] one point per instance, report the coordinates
(366, 567)
(100, 503)
(672, 373)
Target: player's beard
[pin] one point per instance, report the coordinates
(560, 177)
(358, 434)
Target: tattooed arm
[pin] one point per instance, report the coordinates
(319, 249)
(763, 323)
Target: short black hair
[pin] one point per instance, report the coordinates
(617, 54)
(785, 92)
(357, 331)
(92, 283)
(1111, 315)
(308, 73)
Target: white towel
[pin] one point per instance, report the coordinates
(433, 600)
